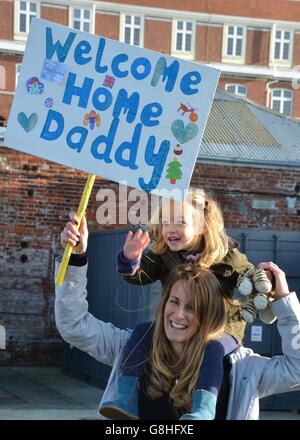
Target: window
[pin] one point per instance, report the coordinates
(234, 43)
(81, 19)
(237, 89)
(184, 33)
(27, 10)
(18, 69)
(132, 30)
(183, 39)
(281, 101)
(282, 45)
(24, 12)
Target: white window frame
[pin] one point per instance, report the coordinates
(132, 26)
(236, 92)
(188, 55)
(282, 100)
(236, 59)
(18, 66)
(82, 20)
(22, 36)
(2, 77)
(280, 62)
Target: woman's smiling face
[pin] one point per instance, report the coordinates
(180, 322)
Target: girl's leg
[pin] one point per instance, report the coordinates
(211, 371)
(210, 379)
(137, 349)
(125, 406)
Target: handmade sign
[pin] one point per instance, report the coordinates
(117, 111)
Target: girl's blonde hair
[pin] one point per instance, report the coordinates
(212, 238)
(210, 308)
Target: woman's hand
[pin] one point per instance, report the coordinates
(135, 244)
(281, 286)
(76, 238)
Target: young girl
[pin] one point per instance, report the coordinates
(192, 232)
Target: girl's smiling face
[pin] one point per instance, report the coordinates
(181, 226)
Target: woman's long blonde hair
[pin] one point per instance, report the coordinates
(210, 309)
(212, 239)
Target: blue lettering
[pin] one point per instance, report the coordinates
(77, 145)
(156, 160)
(131, 147)
(82, 48)
(102, 105)
(121, 58)
(83, 92)
(145, 63)
(56, 117)
(129, 104)
(188, 79)
(107, 140)
(61, 51)
(152, 110)
(170, 72)
(98, 67)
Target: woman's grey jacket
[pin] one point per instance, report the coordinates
(251, 377)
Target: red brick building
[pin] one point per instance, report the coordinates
(255, 46)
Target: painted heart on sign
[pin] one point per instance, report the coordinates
(27, 123)
(184, 134)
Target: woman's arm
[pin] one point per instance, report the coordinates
(76, 325)
(282, 373)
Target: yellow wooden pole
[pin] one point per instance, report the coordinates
(81, 210)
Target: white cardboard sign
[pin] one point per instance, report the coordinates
(118, 111)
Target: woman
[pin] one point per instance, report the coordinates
(187, 320)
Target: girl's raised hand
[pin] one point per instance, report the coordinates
(135, 244)
(76, 238)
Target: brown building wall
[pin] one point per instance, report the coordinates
(7, 17)
(256, 88)
(271, 9)
(257, 50)
(157, 35)
(107, 25)
(209, 43)
(57, 15)
(296, 51)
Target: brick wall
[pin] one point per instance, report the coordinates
(107, 25)
(6, 27)
(209, 43)
(154, 29)
(57, 15)
(257, 50)
(296, 51)
(271, 9)
(208, 38)
(35, 198)
(256, 88)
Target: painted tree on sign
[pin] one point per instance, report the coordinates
(173, 171)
